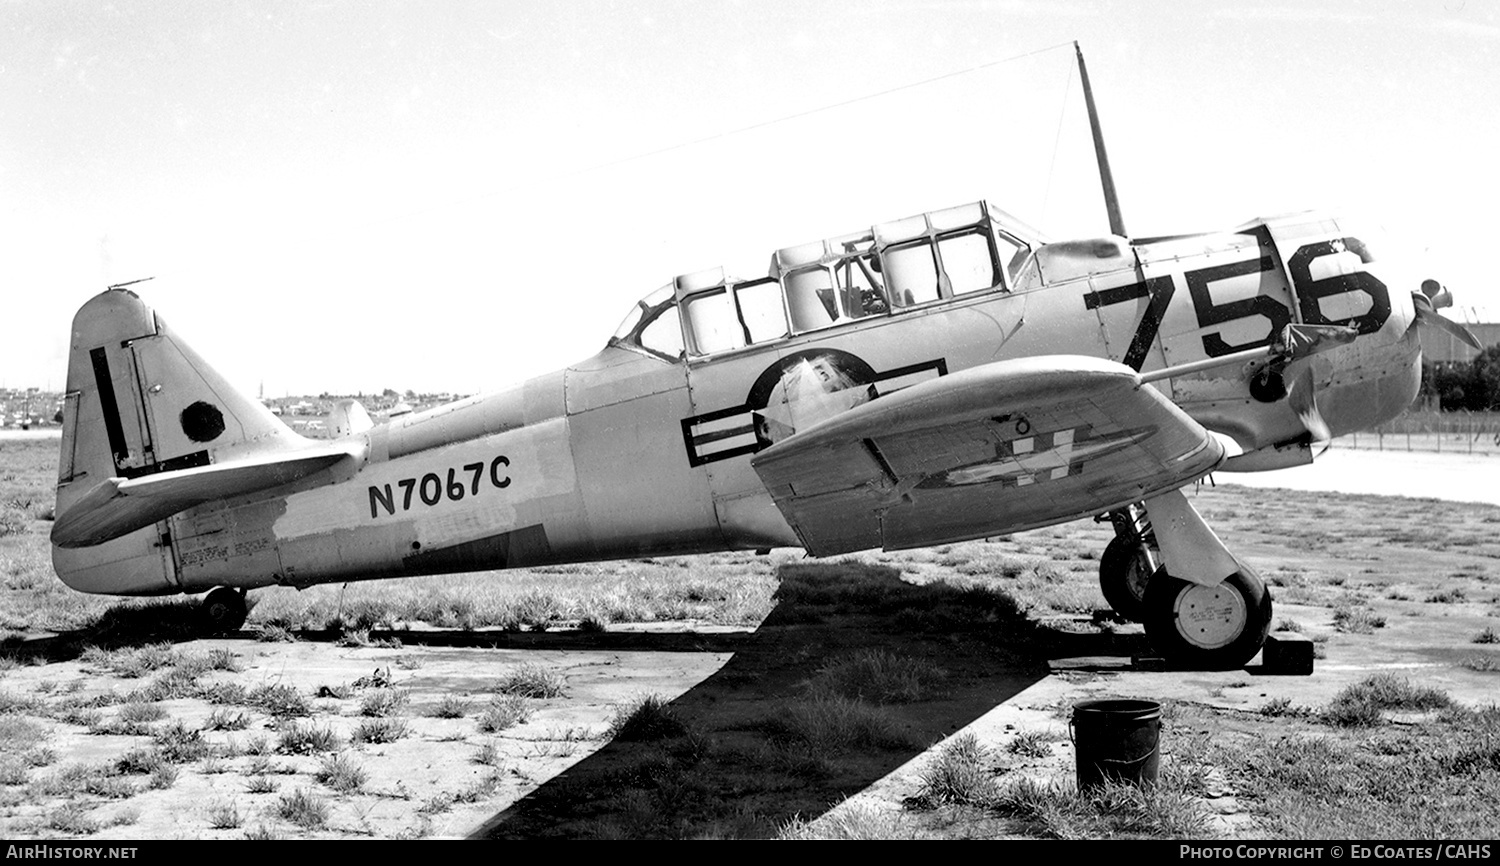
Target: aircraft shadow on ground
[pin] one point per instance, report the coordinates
(759, 743)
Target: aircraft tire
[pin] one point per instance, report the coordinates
(224, 610)
(1123, 579)
(1207, 628)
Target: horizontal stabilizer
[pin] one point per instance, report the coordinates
(119, 506)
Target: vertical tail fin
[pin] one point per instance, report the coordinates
(140, 402)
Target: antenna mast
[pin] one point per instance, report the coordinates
(1106, 178)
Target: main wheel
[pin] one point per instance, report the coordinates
(1207, 627)
(1123, 575)
(224, 610)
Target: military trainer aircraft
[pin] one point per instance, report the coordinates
(943, 377)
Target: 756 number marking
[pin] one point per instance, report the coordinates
(1309, 292)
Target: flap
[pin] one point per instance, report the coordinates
(119, 506)
(991, 450)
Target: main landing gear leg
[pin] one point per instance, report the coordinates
(223, 610)
(1206, 610)
(1129, 562)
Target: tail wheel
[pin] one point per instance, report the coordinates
(1207, 627)
(224, 610)
(1123, 574)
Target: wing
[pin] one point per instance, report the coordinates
(119, 506)
(995, 449)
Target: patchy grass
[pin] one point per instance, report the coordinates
(853, 821)
(533, 681)
(644, 719)
(280, 701)
(1167, 810)
(340, 773)
(1031, 744)
(298, 738)
(958, 775)
(224, 816)
(878, 676)
(1357, 620)
(130, 662)
(1438, 778)
(834, 725)
(1363, 704)
(73, 819)
(382, 703)
(179, 744)
(384, 730)
(450, 707)
(226, 720)
(503, 711)
(303, 808)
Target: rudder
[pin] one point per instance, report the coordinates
(140, 402)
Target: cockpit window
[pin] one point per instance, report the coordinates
(663, 333)
(930, 258)
(653, 324)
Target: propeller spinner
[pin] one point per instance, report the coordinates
(1433, 297)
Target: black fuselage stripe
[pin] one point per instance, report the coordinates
(107, 404)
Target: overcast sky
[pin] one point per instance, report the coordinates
(349, 196)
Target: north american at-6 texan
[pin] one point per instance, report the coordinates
(943, 377)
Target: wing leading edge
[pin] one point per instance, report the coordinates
(991, 450)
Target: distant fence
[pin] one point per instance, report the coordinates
(1438, 432)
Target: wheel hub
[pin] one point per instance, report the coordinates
(1210, 617)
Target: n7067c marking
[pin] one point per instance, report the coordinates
(432, 487)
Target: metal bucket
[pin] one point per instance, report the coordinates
(1116, 739)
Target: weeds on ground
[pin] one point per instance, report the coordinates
(533, 681)
(72, 818)
(878, 676)
(279, 701)
(834, 725)
(179, 744)
(1434, 778)
(450, 707)
(1284, 708)
(957, 775)
(644, 719)
(1030, 744)
(1361, 704)
(384, 730)
(503, 711)
(382, 703)
(226, 720)
(488, 754)
(224, 816)
(1357, 620)
(303, 808)
(851, 821)
(130, 662)
(340, 773)
(296, 738)
(1110, 811)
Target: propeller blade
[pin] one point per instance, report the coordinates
(1303, 399)
(1426, 315)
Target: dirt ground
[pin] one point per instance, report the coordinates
(556, 774)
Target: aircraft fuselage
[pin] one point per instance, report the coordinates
(634, 452)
